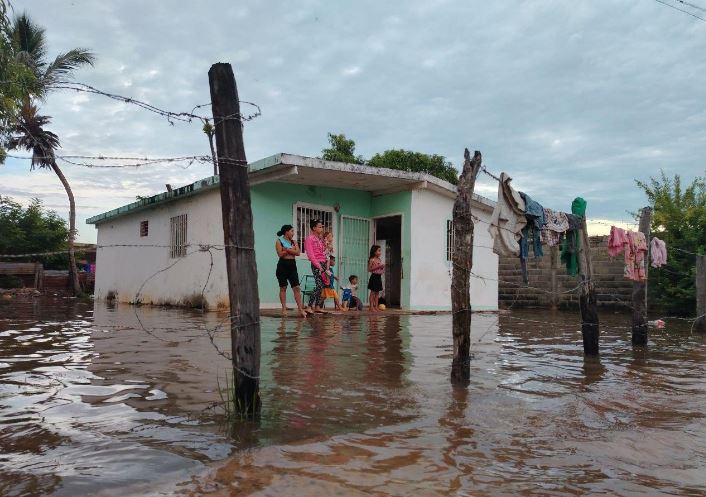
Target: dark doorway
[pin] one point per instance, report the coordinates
(388, 234)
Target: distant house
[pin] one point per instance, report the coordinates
(407, 213)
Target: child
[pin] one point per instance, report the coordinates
(328, 242)
(376, 269)
(349, 298)
(330, 290)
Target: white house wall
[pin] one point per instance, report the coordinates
(431, 272)
(122, 270)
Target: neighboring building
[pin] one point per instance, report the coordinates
(408, 213)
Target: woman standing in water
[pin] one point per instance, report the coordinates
(287, 249)
(315, 248)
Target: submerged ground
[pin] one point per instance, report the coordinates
(120, 401)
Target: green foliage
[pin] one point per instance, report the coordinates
(679, 219)
(30, 230)
(416, 162)
(342, 150)
(17, 80)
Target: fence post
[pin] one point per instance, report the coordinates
(554, 264)
(639, 288)
(587, 296)
(462, 259)
(239, 240)
(700, 323)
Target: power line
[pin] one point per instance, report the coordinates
(682, 10)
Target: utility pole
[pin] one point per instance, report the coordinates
(700, 323)
(587, 297)
(639, 288)
(462, 259)
(239, 240)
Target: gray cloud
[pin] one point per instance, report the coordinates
(570, 98)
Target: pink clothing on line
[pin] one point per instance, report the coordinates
(635, 256)
(314, 247)
(617, 241)
(658, 251)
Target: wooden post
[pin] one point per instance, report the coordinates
(554, 261)
(639, 288)
(587, 297)
(239, 240)
(462, 259)
(700, 323)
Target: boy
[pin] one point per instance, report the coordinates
(350, 294)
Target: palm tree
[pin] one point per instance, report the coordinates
(30, 48)
(28, 133)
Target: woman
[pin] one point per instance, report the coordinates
(315, 248)
(287, 249)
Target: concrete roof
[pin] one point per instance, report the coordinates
(287, 168)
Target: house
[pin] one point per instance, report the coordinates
(149, 250)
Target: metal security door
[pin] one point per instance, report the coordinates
(354, 249)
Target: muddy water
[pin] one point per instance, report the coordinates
(120, 401)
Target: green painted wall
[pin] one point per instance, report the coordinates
(273, 205)
(399, 203)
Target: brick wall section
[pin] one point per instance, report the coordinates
(611, 287)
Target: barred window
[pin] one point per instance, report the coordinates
(144, 228)
(449, 240)
(177, 231)
(304, 214)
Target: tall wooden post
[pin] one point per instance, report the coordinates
(700, 323)
(587, 297)
(554, 261)
(639, 288)
(462, 259)
(239, 239)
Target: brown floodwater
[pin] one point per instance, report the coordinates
(122, 401)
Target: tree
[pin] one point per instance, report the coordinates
(679, 219)
(31, 230)
(28, 42)
(16, 79)
(342, 150)
(416, 162)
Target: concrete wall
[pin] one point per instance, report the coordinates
(611, 287)
(431, 271)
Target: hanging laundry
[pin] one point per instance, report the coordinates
(635, 256)
(555, 225)
(535, 222)
(634, 245)
(658, 252)
(570, 246)
(617, 241)
(508, 219)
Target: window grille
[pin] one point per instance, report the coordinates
(449, 240)
(144, 228)
(304, 215)
(177, 230)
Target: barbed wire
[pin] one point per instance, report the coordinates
(170, 116)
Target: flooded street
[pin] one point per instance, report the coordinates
(121, 401)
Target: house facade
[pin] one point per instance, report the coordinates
(168, 249)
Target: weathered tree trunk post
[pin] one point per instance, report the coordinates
(239, 239)
(554, 261)
(700, 323)
(587, 298)
(462, 259)
(639, 288)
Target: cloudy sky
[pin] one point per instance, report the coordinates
(569, 97)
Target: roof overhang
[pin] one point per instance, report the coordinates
(300, 170)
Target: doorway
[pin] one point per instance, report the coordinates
(388, 234)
